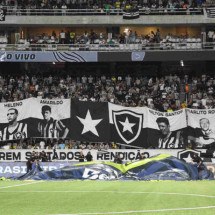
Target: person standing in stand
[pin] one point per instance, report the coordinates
(118, 159)
(81, 157)
(89, 157)
(199, 162)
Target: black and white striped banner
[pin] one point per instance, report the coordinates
(210, 12)
(131, 14)
(134, 127)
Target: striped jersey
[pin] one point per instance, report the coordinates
(173, 140)
(20, 132)
(51, 129)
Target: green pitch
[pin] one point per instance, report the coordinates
(107, 197)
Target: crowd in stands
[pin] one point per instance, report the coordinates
(165, 93)
(95, 40)
(170, 92)
(127, 37)
(50, 144)
(105, 5)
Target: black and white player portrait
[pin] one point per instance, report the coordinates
(203, 136)
(167, 138)
(2, 14)
(50, 127)
(14, 129)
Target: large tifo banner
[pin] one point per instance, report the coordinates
(137, 127)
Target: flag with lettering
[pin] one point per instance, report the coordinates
(89, 121)
(166, 129)
(49, 118)
(13, 120)
(201, 128)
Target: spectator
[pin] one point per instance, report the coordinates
(62, 37)
(198, 161)
(43, 156)
(142, 156)
(29, 163)
(89, 157)
(118, 159)
(81, 157)
(42, 144)
(61, 144)
(63, 8)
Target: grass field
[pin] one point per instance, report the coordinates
(107, 197)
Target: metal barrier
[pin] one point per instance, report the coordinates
(16, 11)
(108, 47)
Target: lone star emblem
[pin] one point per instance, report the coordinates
(89, 124)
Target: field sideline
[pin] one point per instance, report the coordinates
(107, 197)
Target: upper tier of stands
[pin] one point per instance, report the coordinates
(92, 7)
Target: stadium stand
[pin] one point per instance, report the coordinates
(127, 89)
(161, 58)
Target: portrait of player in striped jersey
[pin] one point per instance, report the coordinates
(168, 139)
(14, 129)
(49, 127)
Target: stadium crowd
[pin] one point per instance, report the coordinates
(34, 143)
(165, 93)
(94, 40)
(127, 37)
(102, 4)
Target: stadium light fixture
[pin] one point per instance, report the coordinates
(126, 30)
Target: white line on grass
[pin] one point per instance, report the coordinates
(114, 192)
(142, 211)
(19, 185)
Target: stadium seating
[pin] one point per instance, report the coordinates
(3, 43)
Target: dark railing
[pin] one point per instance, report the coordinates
(13, 11)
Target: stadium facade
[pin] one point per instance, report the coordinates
(19, 27)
